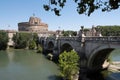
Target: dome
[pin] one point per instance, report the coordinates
(34, 21)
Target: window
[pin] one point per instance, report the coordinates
(36, 22)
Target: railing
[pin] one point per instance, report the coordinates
(51, 38)
(105, 38)
(61, 38)
(69, 38)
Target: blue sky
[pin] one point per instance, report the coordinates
(15, 11)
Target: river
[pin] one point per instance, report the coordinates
(108, 75)
(114, 56)
(28, 65)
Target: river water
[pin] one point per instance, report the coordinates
(114, 56)
(108, 75)
(28, 65)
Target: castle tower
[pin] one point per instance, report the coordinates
(34, 25)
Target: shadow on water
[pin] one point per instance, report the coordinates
(55, 77)
(95, 76)
(104, 75)
(113, 76)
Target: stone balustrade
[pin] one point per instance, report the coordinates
(51, 38)
(69, 38)
(105, 38)
(91, 38)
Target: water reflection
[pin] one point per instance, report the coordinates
(115, 55)
(55, 77)
(10, 54)
(95, 76)
(115, 76)
(105, 75)
(3, 59)
(25, 65)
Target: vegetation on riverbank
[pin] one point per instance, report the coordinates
(25, 40)
(3, 40)
(32, 45)
(39, 49)
(69, 66)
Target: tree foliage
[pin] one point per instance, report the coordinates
(39, 49)
(35, 38)
(3, 40)
(83, 6)
(68, 62)
(32, 44)
(21, 40)
(67, 33)
(110, 30)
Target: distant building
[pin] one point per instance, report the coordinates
(35, 26)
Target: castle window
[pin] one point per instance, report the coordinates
(36, 22)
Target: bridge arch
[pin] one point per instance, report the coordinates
(42, 42)
(99, 55)
(66, 47)
(50, 45)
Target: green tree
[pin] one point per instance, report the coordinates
(32, 44)
(24, 40)
(39, 49)
(3, 40)
(110, 30)
(36, 38)
(68, 62)
(67, 33)
(83, 6)
(21, 40)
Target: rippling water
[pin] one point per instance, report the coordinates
(26, 65)
(107, 75)
(114, 56)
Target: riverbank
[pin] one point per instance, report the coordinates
(114, 66)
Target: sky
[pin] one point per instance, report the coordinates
(14, 11)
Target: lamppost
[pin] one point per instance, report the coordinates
(59, 31)
(8, 27)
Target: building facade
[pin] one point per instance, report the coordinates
(34, 25)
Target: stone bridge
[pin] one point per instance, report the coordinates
(93, 51)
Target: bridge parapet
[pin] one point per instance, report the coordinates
(105, 38)
(51, 38)
(69, 38)
(48, 38)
